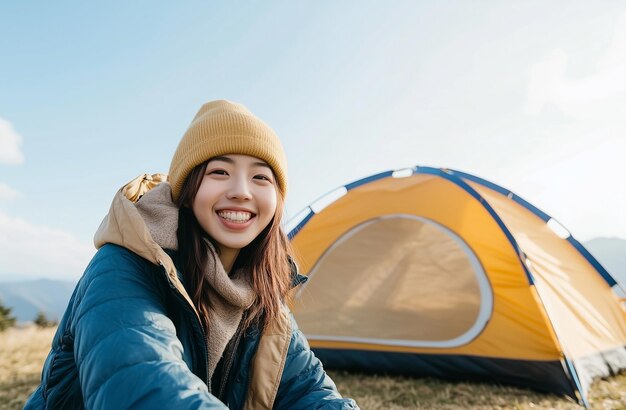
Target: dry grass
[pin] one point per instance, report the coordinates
(399, 393)
(22, 352)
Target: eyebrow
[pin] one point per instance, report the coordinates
(225, 159)
(231, 161)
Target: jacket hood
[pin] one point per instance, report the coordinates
(144, 219)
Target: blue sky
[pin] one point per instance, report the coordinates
(530, 95)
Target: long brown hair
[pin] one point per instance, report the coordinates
(266, 259)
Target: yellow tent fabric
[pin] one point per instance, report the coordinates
(444, 266)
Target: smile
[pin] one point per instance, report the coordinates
(235, 216)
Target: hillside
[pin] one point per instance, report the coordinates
(30, 297)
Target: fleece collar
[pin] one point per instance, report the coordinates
(125, 226)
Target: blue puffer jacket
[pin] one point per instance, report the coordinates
(130, 338)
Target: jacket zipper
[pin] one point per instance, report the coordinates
(198, 322)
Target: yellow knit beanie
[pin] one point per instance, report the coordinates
(222, 127)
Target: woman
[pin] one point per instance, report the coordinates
(183, 304)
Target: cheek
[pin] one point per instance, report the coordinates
(201, 203)
(269, 205)
(197, 208)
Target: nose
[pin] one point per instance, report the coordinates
(239, 189)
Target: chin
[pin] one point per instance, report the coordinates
(236, 246)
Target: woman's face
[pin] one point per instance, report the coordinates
(236, 200)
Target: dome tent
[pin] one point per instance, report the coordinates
(437, 272)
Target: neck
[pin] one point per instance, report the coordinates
(227, 257)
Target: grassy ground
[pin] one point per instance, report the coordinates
(22, 352)
(399, 393)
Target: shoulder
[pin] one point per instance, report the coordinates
(119, 290)
(118, 256)
(116, 260)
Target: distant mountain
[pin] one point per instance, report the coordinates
(27, 298)
(611, 253)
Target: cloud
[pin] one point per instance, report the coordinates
(573, 170)
(34, 251)
(10, 141)
(7, 193)
(30, 250)
(600, 95)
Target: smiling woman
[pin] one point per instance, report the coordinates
(183, 306)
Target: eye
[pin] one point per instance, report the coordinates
(263, 177)
(217, 172)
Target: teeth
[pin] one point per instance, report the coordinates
(235, 216)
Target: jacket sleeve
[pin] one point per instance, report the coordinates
(125, 346)
(304, 383)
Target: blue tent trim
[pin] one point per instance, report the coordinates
(593, 261)
(450, 176)
(369, 179)
(576, 380)
(545, 217)
(300, 225)
(348, 187)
